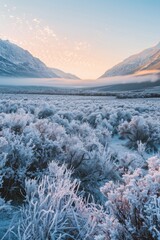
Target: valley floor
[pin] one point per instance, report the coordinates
(103, 140)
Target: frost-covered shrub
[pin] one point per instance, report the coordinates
(44, 113)
(15, 161)
(94, 119)
(5, 210)
(87, 152)
(53, 210)
(16, 122)
(67, 115)
(104, 136)
(78, 115)
(8, 107)
(107, 125)
(134, 205)
(28, 153)
(61, 121)
(140, 129)
(117, 118)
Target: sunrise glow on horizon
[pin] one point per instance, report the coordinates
(82, 37)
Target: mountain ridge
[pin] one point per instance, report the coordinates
(18, 62)
(149, 57)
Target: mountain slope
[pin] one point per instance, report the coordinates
(154, 64)
(63, 74)
(17, 62)
(148, 59)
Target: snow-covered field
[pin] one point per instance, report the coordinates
(79, 168)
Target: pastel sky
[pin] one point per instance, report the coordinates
(84, 37)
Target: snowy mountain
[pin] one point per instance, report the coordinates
(63, 74)
(148, 59)
(17, 62)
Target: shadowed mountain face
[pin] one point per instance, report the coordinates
(147, 60)
(17, 62)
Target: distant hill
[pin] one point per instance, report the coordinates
(17, 62)
(148, 59)
(63, 74)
